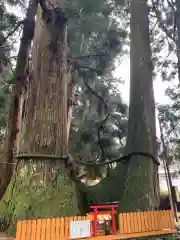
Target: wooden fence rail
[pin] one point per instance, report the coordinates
(131, 225)
(146, 223)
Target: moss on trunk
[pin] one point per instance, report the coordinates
(139, 188)
(34, 193)
(109, 189)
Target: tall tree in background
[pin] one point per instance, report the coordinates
(169, 24)
(141, 180)
(168, 42)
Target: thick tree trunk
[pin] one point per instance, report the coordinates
(43, 187)
(140, 186)
(18, 91)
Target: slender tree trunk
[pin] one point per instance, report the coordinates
(18, 91)
(51, 191)
(167, 172)
(141, 178)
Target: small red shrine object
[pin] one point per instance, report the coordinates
(112, 211)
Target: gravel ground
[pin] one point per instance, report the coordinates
(3, 236)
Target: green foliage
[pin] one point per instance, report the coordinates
(169, 115)
(5, 89)
(7, 23)
(93, 30)
(164, 35)
(88, 117)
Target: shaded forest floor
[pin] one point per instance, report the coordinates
(3, 236)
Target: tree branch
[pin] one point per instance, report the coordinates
(91, 55)
(161, 24)
(12, 31)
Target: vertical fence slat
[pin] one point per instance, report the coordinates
(19, 230)
(29, 229)
(156, 227)
(146, 225)
(58, 228)
(153, 220)
(128, 223)
(171, 219)
(62, 229)
(66, 228)
(43, 229)
(139, 222)
(159, 216)
(48, 229)
(136, 226)
(33, 230)
(149, 221)
(38, 233)
(131, 222)
(125, 223)
(53, 228)
(121, 223)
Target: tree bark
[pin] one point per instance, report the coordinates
(178, 35)
(141, 181)
(43, 187)
(17, 95)
(71, 100)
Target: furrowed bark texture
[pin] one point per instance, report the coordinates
(43, 187)
(141, 181)
(178, 35)
(17, 96)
